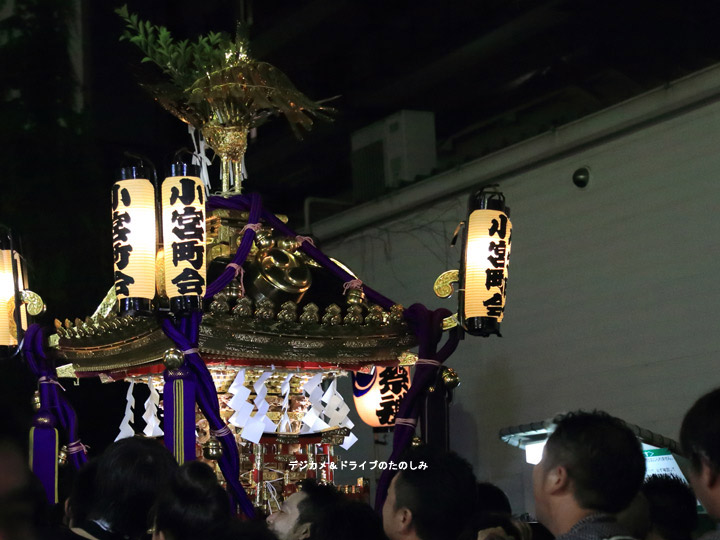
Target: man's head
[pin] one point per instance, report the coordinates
(592, 462)
(672, 508)
(432, 499)
(700, 440)
(300, 511)
(128, 477)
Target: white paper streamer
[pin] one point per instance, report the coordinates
(255, 426)
(152, 422)
(200, 158)
(126, 429)
(239, 403)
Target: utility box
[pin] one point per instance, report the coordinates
(392, 152)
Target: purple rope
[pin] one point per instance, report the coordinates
(241, 202)
(186, 339)
(242, 252)
(428, 329)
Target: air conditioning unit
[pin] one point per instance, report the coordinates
(392, 152)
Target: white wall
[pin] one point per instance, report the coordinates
(613, 291)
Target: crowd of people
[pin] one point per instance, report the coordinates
(590, 485)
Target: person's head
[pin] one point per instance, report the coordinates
(433, 498)
(672, 506)
(295, 519)
(591, 462)
(349, 520)
(492, 499)
(130, 474)
(700, 440)
(193, 505)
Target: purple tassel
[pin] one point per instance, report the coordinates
(179, 406)
(44, 453)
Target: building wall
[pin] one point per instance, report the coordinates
(613, 291)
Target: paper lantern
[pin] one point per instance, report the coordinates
(485, 264)
(183, 204)
(7, 298)
(377, 395)
(133, 231)
(21, 286)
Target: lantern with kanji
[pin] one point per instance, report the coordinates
(183, 204)
(133, 230)
(377, 395)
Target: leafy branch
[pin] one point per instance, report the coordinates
(183, 61)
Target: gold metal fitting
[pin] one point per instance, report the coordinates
(450, 378)
(212, 449)
(416, 442)
(173, 358)
(36, 400)
(355, 296)
(63, 455)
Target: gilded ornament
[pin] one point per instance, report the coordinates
(265, 309)
(416, 442)
(63, 455)
(288, 312)
(450, 378)
(287, 243)
(36, 400)
(310, 314)
(233, 289)
(355, 296)
(264, 239)
(450, 322)
(219, 307)
(376, 316)
(212, 449)
(332, 316)
(443, 286)
(243, 308)
(354, 315)
(173, 359)
(396, 314)
(33, 303)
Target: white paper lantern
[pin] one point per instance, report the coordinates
(183, 204)
(7, 293)
(377, 395)
(134, 240)
(486, 257)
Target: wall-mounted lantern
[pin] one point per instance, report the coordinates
(484, 264)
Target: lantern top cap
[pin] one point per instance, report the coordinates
(132, 171)
(488, 198)
(184, 169)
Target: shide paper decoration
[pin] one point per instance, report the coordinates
(486, 258)
(134, 240)
(377, 395)
(183, 207)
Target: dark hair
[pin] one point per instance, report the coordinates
(130, 473)
(602, 456)
(349, 520)
(82, 493)
(440, 492)
(672, 505)
(194, 505)
(700, 431)
(318, 498)
(492, 499)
